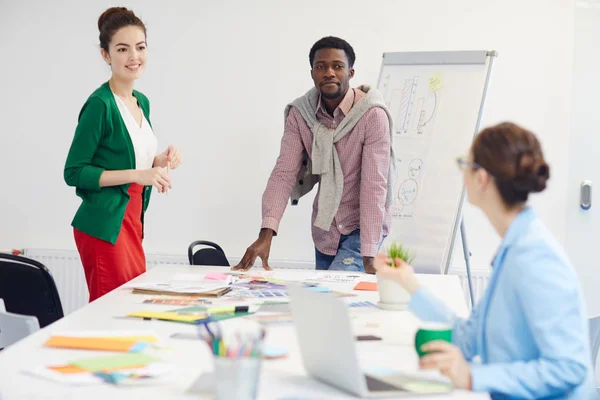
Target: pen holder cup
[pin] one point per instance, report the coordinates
(237, 378)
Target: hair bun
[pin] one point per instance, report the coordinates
(111, 12)
(542, 174)
(532, 173)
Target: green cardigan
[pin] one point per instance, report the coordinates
(102, 143)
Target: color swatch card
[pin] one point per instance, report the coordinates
(174, 302)
(258, 294)
(359, 304)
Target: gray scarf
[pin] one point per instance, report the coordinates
(324, 165)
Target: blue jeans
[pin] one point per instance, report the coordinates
(348, 256)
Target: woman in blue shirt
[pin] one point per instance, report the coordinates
(530, 328)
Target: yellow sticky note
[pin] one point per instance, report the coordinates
(169, 316)
(435, 82)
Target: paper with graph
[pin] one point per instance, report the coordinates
(435, 105)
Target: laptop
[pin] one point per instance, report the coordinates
(328, 349)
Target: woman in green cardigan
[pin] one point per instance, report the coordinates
(112, 161)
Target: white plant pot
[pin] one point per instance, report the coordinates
(392, 296)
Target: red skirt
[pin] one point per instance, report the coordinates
(108, 266)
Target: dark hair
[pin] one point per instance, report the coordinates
(114, 19)
(332, 42)
(514, 157)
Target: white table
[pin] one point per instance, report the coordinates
(280, 378)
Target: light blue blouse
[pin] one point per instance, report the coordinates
(530, 329)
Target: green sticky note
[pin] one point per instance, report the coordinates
(222, 317)
(426, 387)
(435, 82)
(98, 364)
(190, 310)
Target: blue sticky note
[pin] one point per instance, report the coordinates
(270, 351)
(320, 289)
(139, 347)
(380, 371)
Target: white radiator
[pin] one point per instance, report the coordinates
(65, 267)
(479, 280)
(67, 271)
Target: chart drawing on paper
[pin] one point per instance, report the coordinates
(413, 105)
(410, 172)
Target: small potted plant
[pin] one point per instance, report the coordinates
(391, 295)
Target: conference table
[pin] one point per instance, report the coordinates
(192, 361)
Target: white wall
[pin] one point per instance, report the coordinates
(219, 76)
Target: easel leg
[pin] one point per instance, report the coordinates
(467, 255)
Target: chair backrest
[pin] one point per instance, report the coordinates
(14, 327)
(594, 326)
(213, 255)
(28, 289)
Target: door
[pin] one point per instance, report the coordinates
(583, 225)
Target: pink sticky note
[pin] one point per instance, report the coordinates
(215, 276)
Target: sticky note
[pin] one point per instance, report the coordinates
(435, 82)
(320, 289)
(67, 369)
(215, 276)
(368, 286)
(110, 363)
(169, 316)
(95, 343)
(273, 352)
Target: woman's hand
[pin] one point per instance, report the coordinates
(171, 155)
(153, 177)
(402, 273)
(448, 359)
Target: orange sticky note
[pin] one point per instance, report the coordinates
(369, 286)
(71, 369)
(91, 343)
(67, 369)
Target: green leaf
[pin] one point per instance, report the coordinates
(397, 250)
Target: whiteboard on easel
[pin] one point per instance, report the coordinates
(436, 99)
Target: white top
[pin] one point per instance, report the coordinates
(280, 378)
(142, 137)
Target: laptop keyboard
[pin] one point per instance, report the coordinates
(375, 385)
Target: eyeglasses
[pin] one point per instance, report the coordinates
(463, 162)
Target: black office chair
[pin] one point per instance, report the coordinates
(214, 255)
(27, 288)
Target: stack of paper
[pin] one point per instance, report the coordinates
(200, 289)
(118, 369)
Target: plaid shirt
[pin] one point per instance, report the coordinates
(364, 155)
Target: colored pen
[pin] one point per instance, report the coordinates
(225, 310)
